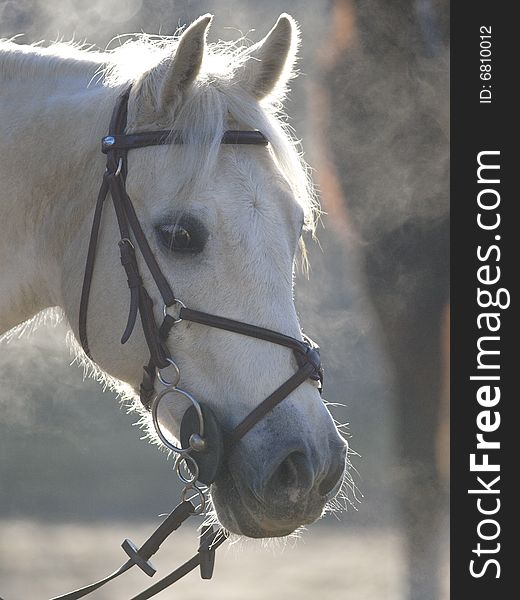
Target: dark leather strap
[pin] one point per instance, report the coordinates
(89, 267)
(267, 405)
(158, 350)
(172, 522)
(188, 314)
(135, 283)
(306, 353)
(210, 541)
(130, 228)
(131, 141)
(118, 190)
(147, 388)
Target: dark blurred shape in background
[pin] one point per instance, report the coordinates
(372, 108)
(386, 81)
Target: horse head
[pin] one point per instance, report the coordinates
(224, 223)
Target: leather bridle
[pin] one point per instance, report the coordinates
(205, 445)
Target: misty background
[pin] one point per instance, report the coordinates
(70, 455)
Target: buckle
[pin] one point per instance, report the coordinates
(312, 356)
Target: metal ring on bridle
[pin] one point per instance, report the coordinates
(190, 465)
(200, 493)
(177, 374)
(154, 409)
(178, 303)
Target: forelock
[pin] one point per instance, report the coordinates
(215, 100)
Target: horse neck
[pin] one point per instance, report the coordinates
(51, 122)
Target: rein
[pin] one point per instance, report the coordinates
(205, 445)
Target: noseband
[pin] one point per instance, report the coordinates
(205, 445)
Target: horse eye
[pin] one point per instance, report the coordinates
(181, 238)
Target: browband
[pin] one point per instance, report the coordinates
(171, 136)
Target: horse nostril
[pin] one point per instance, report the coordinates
(294, 474)
(332, 478)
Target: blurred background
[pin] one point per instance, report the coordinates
(371, 105)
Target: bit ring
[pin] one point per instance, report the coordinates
(200, 493)
(190, 465)
(154, 409)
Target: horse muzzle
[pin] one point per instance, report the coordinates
(276, 496)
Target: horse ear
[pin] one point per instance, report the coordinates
(163, 87)
(183, 67)
(271, 60)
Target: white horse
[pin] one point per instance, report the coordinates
(242, 209)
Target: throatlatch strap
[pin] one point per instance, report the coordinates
(89, 267)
